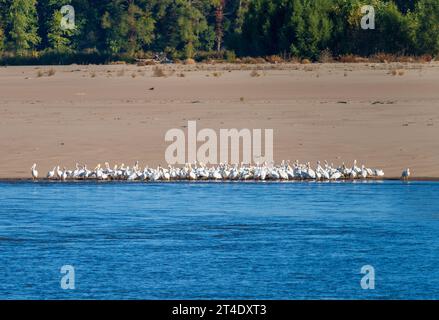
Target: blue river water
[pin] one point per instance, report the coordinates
(219, 240)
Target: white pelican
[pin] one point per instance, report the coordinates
(82, 174)
(191, 173)
(363, 172)
(173, 173)
(352, 174)
(166, 175)
(274, 174)
(216, 174)
(263, 173)
(226, 173)
(378, 172)
(405, 174)
(311, 174)
(283, 174)
(234, 173)
(133, 176)
(75, 173)
(323, 173)
(34, 171)
(64, 175)
(336, 175)
(355, 168)
(290, 172)
(51, 174)
(58, 172)
(156, 176)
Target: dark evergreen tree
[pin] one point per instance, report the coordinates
(427, 27)
(22, 26)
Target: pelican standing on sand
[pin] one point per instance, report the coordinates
(34, 171)
(64, 174)
(405, 174)
(58, 172)
(51, 174)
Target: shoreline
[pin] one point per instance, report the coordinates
(45, 180)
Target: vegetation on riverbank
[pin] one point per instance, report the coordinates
(220, 30)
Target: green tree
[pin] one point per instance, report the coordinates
(129, 26)
(2, 39)
(312, 27)
(191, 23)
(259, 34)
(406, 5)
(219, 22)
(393, 31)
(3, 19)
(298, 27)
(238, 10)
(427, 27)
(59, 37)
(23, 25)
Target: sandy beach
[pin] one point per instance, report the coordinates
(120, 113)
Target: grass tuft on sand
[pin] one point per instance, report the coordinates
(158, 72)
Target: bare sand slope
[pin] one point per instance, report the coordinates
(93, 114)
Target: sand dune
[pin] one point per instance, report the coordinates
(337, 112)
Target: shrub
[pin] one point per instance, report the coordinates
(274, 59)
(249, 60)
(349, 58)
(158, 72)
(189, 61)
(326, 56)
(230, 56)
(254, 74)
(383, 57)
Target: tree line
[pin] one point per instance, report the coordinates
(223, 28)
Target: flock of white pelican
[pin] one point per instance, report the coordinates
(199, 171)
